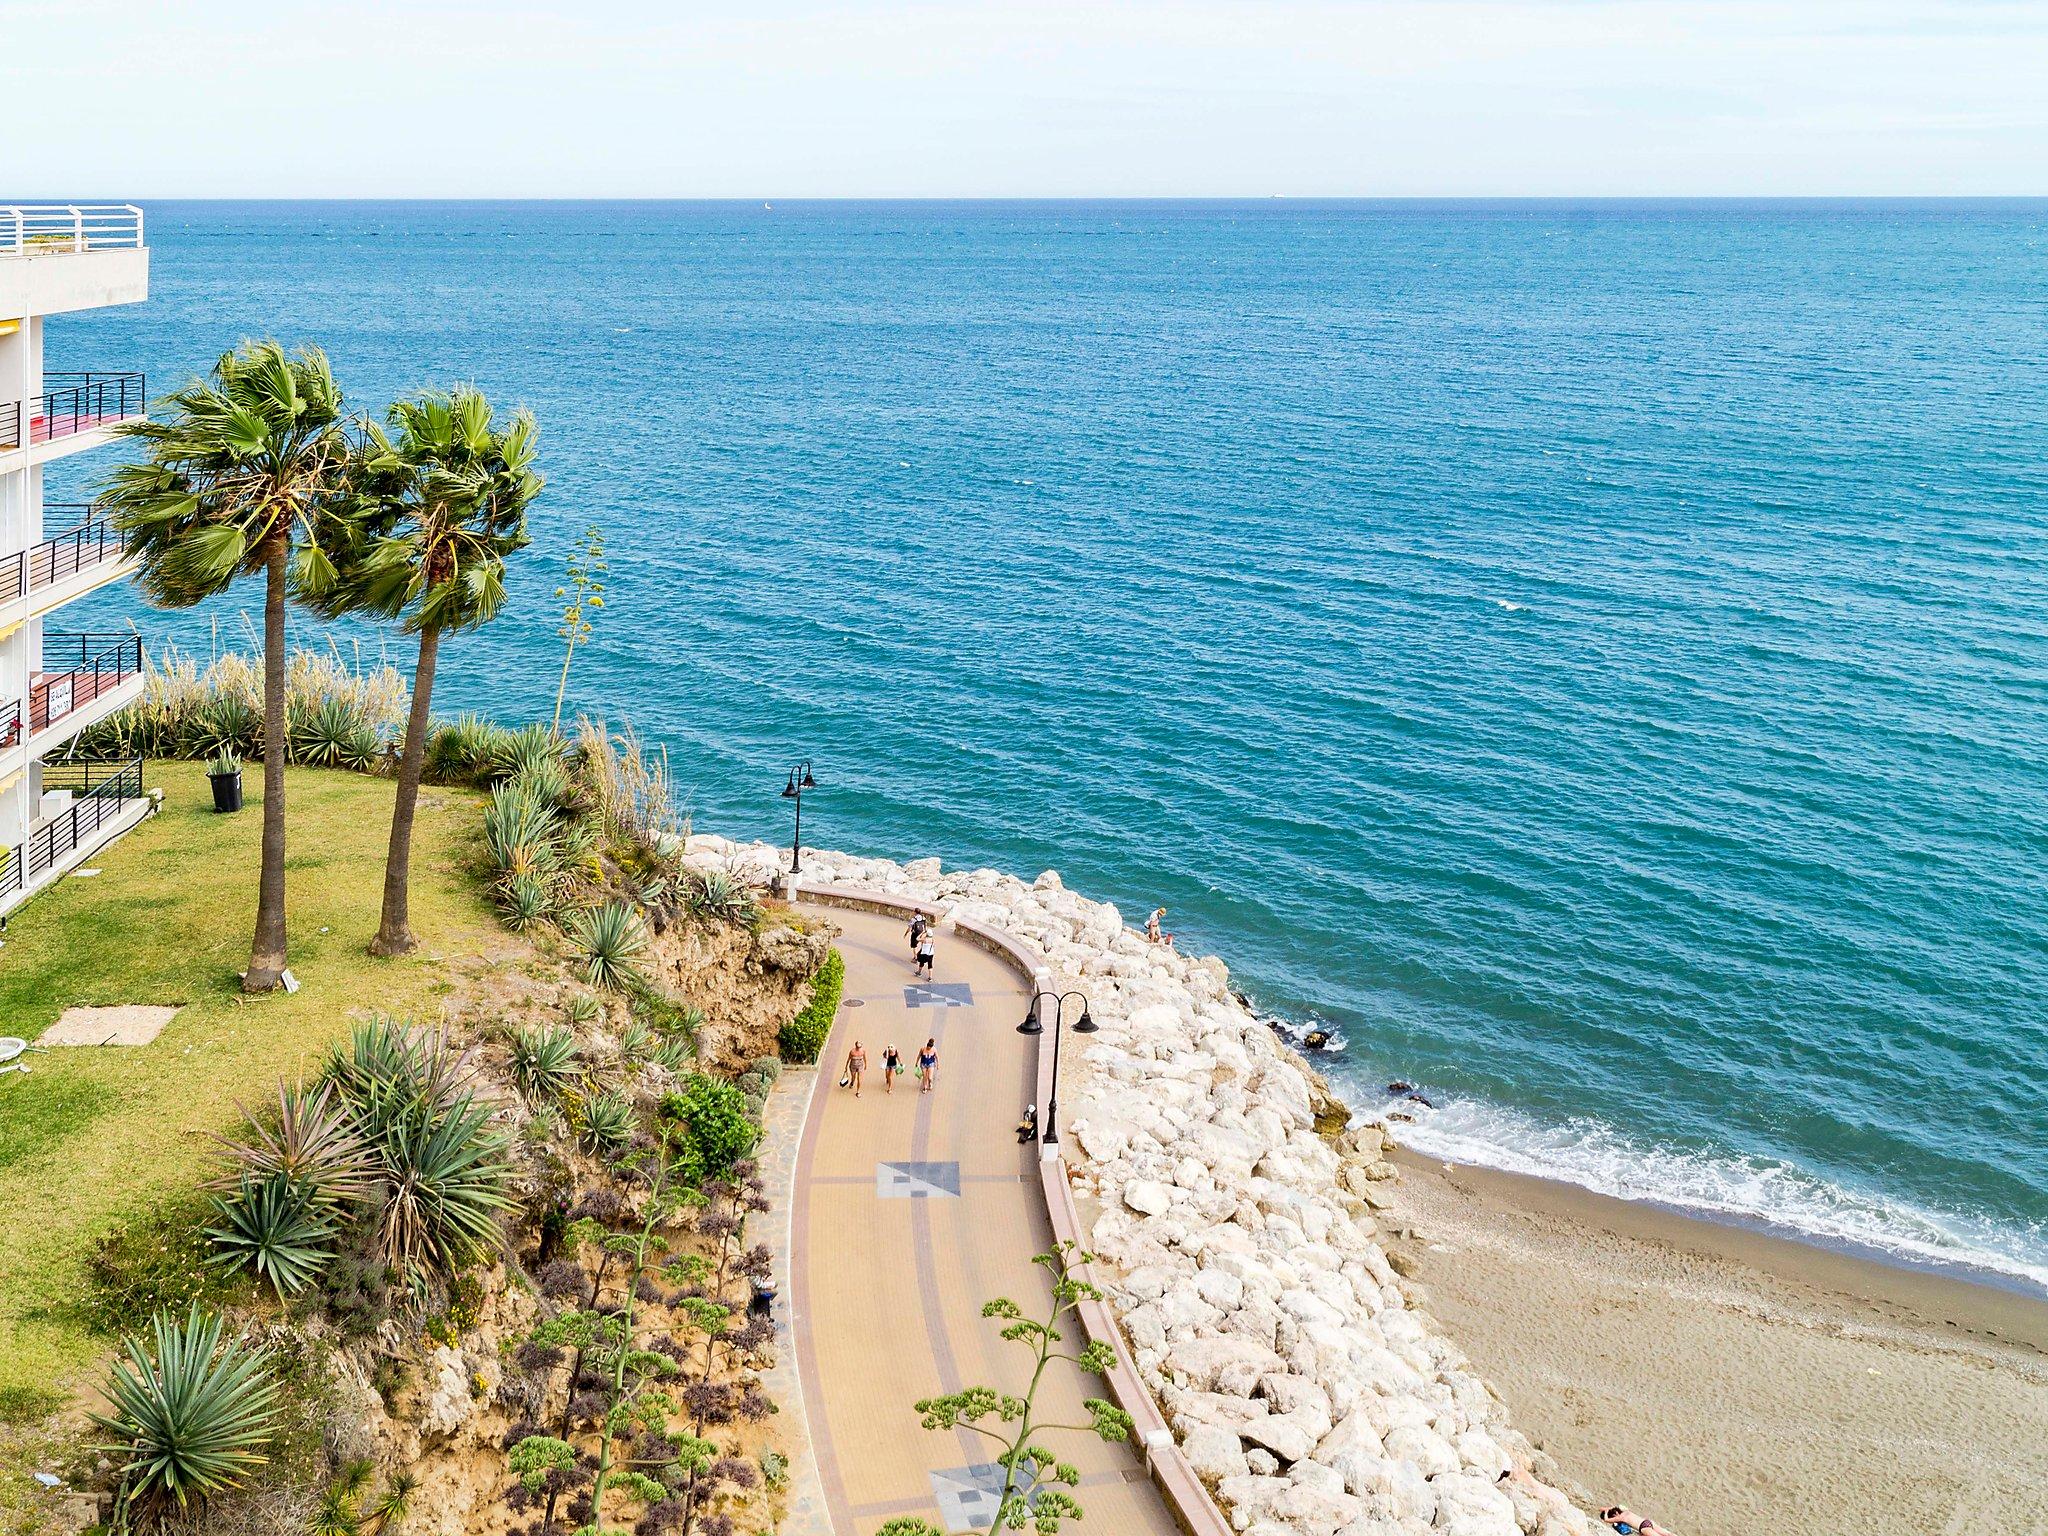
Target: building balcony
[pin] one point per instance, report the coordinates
(84, 678)
(60, 229)
(59, 258)
(82, 551)
(74, 411)
(84, 806)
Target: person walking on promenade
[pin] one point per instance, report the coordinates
(856, 1065)
(928, 1065)
(926, 954)
(919, 926)
(892, 1063)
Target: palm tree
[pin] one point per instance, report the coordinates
(241, 475)
(439, 510)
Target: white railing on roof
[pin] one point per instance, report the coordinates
(41, 229)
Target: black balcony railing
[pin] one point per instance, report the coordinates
(86, 538)
(101, 791)
(76, 670)
(69, 404)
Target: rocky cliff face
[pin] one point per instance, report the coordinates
(1303, 1378)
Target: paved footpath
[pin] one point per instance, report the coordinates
(909, 1212)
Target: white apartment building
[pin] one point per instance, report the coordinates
(56, 680)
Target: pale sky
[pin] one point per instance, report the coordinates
(1005, 98)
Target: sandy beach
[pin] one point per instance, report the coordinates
(1728, 1382)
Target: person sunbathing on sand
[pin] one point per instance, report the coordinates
(1629, 1523)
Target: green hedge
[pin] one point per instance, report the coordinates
(719, 1126)
(804, 1036)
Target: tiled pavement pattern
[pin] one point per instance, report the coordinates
(783, 1128)
(886, 1291)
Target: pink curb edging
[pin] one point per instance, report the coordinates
(1185, 1497)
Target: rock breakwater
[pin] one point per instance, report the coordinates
(1235, 1228)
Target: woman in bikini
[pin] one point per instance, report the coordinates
(892, 1063)
(928, 1065)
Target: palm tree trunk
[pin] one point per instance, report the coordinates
(267, 957)
(394, 932)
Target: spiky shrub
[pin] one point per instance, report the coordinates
(333, 733)
(606, 1124)
(273, 1225)
(527, 749)
(390, 1074)
(582, 1009)
(445, 1177)
(314, 1143)
(547, 780)
(350, 1508)
(611, 938)
(190, 1415)
(544, 1063)
(715, 893)
(466, 750)
(525, 902)
(803, 1037)
(222, 725)
(522, 835)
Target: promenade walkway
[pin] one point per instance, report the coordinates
(909, 1212)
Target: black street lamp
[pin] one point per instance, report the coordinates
(799, 780)
(1085, 1025)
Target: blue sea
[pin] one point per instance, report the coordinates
(1593, 656)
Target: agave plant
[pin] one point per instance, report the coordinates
(674, 1053)
(523, 750)
(390, 1073)
(275, 1226)
(315, 1146)
(521, 834)
(544, 1062)
(466, 750)
(547, 780)
(222, 724)
(191, 1417)
(607, 1124)
(582, 1008)
(445, 1174)
(347, 1509)
(717, 893)
(611, 938)
(333, 733)
(525, 902)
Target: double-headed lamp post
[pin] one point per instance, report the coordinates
(799, 780)
(1085, 1025)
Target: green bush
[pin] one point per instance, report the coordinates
(770, 1067)
(714, 1128)
(804, 1036)
(466, 750)
(333, 733)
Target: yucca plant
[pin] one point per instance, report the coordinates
(445, 1174)
(611, 938)
(333, 733)
(674, 1053)
(391, 1074)
(191, 1416)
(544, 1062)
(582, 1008)
(606, 1127)
(466, 750)
(547, 780)
(315, 1145)
(525, 902)
(219, 725)
(275, 1226)
(528, 747)
(716, 893)
(346, 1508)
(521, 834)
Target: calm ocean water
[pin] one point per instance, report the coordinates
(1596, 656)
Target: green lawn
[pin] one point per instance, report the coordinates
(92, 1135)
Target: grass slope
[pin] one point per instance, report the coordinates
(92, 1135)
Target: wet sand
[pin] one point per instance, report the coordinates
(1730, 1383)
